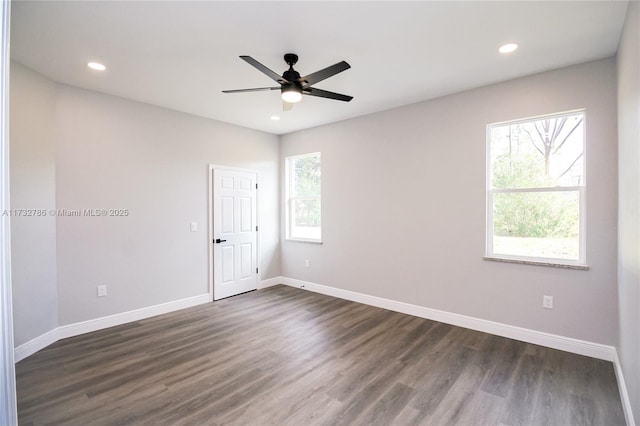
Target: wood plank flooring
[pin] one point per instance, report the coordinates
(284, 356)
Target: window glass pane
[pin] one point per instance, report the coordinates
(306, 177)
(305, 218)
(306, 212)
(303, 197)
(540, 153)
(537, 224)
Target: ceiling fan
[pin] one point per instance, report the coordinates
(292, 86)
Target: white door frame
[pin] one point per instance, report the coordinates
(8, 411)
(212, 167)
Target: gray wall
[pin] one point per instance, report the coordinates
(32, 186)
(629, 204)
(404, 207)
(76, 149)
(115, 153)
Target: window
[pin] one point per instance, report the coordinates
(536, 189)
(303, 217)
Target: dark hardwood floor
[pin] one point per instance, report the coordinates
(285, 356)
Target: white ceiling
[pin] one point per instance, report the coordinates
(180, 55)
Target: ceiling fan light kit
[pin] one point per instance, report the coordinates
(291, 94)
(292, 85)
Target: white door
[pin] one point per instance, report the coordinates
(234, 233)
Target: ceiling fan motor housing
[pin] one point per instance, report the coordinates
(291, 75)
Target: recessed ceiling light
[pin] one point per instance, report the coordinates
(96, 66)
(508, 48)
(275, 118)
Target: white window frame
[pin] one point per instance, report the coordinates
(289, 199)
(581, 262)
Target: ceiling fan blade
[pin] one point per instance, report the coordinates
(287, 106)
(312, 91)
(257, 89)
(323, 74)
(271, 74)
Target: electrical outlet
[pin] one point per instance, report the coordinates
(102, 290)
(306, 263)
(547, 302)
(194, 226)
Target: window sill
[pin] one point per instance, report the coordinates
(537, 263)
(298, 240)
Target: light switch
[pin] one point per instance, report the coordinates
(194, 226)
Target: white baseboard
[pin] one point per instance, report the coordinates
(34, 345)
(554, 341)
(624, 395)
(70, 330)
(270, 282)
(78, 328)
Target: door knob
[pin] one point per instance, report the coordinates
(218, 241)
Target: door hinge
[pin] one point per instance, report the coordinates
(256, 270)
(256, 186)
(256, 228)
